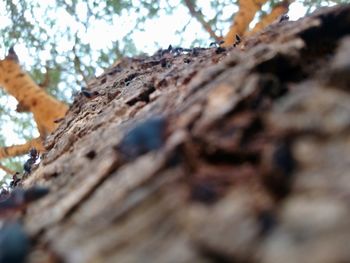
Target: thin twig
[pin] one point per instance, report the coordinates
(199, 16)
(77, 62)
(276, 12)
(46, 81)
(7, 170)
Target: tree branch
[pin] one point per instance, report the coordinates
(46, 81)
(277, 11)
(7, 170)
(241, 20)
(20, 149)
(199, 16)
(77, 62)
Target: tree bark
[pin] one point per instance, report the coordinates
(206, 155)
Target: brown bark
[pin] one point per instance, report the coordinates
(245, 162)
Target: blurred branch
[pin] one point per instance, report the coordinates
(276, 12)
(7, 170)
(77, 62)
(46, 81)
(199, 16)
(242, 19)
(183, 30)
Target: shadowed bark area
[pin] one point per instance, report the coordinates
(206, 155)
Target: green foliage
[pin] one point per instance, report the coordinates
(54, 33)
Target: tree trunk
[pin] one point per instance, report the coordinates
(206, 155)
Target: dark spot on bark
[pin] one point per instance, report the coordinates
(20, 75)
(279, 178)
(89, 94)
(267, 220)
(58, 120)
(204, 192)
(163, 63)
(142, 138)
(91, 154)
(144, 96)
(14, 244)
(215, 256)
(220, 50)
(130, 77)
(34, 193)
(283, 159)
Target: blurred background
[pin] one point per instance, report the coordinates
(64, 43)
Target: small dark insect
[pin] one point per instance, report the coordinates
(12, 54)
(33, 156)
(195, 51)
(284, 17)
(58, 120)
(163, 62)
(216, 43)
(219, 50)
(90, 95)
(19, 198)
(33, 153)
(238, 40)
(143, 137)
(177, 51)
(15, 180)
(162, 52)
(14, 243)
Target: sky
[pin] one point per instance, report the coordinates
(156, 33)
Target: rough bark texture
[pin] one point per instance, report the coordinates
(206, 155)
